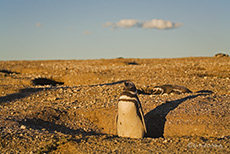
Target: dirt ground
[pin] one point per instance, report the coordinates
(69, 106)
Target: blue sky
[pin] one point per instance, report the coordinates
(89, 29)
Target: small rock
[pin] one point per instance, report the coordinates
(23, 127)
(165, 141)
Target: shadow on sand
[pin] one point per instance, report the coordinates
(21, 94)
(43, 81)
(156, 118)
(108, 84)
(51, 127)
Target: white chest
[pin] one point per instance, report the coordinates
(126, 108)
(129, 123)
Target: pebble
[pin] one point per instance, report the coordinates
(23, 127)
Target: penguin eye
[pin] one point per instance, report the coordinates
(127, 84)
(131, 85)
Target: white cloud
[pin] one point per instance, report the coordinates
(127, 23)
(124, 23)
(160, 24)
(155, 23)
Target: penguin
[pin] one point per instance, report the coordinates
(130, 120)
(167, 89)
(221, 55)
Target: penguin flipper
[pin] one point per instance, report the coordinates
(142, 118)
(115, 123)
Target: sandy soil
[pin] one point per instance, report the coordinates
(69, 106)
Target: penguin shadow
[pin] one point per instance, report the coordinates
(155, 119)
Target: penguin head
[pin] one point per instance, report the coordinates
(158, 90)
(130, 86)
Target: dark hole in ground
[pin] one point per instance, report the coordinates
(45, 81)
(8, 72)
(132, 63)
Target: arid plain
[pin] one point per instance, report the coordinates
(69, 106)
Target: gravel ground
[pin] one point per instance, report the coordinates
(69, 106)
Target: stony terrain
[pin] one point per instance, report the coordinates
(69, 106)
